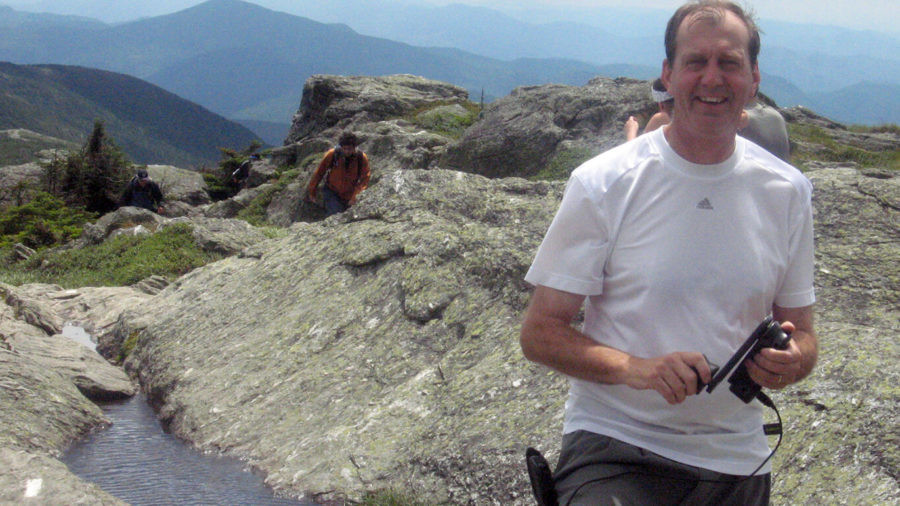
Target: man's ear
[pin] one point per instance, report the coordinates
(666, 74)
(756, 79)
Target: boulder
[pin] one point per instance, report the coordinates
(223, 236)
(94, 377)
(551, 127)
(31, 478)
(230, 207)
(180, 185)
(110, 223)
(30, 310)
(333, 103)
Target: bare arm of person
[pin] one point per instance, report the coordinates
(777, 369)
(548, 338)
(657, 120)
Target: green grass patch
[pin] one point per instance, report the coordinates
(444, 118)
(128, 346)
(888, 128)
(563, 163)
(390, 498)
(121, 261)
(832, 151)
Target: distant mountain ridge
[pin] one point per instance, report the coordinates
(150, 124)
(801, 64)
(249, 63)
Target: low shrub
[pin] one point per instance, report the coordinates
(43, 222)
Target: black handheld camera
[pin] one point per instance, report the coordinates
(767, 335)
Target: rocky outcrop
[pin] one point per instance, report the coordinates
(180, 185)
(387, 113)
(17, 182)
(402, 121)
(538, 127)
(378, 349)
(838, 134)
(333, 103)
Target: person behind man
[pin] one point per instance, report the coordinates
(766, 126)
(142, 192)
(240, 174)
(346, 172)
(662, 117)
(680, 242)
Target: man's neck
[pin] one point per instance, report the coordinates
(704, 150)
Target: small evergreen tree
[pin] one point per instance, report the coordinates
(91, 178)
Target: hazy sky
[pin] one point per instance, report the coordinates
(881, 15)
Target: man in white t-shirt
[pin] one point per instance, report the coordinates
(677, 245)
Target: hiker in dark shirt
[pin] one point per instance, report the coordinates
(142, 192)
(240, 174)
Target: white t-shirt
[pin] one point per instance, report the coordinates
(676, 256)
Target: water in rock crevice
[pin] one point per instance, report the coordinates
(138, 462)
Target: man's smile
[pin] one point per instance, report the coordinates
(712, 100)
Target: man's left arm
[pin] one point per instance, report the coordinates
(776, 369)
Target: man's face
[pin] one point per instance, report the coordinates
(711, 77)
(348, 149)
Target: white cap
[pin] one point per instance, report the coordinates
(660, 96)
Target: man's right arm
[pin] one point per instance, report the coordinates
(548, 337)
(317, 176)
(125, 199)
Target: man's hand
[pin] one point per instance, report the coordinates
(631, 128)
(776, 369)
(311, 195)
(673, 376)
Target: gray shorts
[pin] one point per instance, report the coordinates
(598, 470)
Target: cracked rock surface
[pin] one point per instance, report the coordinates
(379, 348)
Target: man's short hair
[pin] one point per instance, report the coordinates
(710, 10)
(348, 139)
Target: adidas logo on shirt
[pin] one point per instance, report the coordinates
(705, 204)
